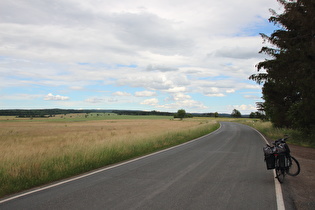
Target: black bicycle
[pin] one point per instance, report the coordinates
(278, 157)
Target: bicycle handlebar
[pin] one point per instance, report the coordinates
(282, 140)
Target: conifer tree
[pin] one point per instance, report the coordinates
(289, 78)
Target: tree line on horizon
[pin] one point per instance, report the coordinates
(44, 113)
(26, 113)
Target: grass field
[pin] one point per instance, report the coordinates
(38, 151)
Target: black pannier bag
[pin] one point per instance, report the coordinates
(270, 161)
(269, 157)
(269, 150)
(282, 160)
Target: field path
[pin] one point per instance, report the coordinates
(222, 170)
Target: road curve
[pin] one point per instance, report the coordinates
(222, 170)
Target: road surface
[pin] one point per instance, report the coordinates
(222, 170)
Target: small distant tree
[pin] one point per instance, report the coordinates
(181, 113)
(236, 114)
(216, 114)
(258, 115)
(189, 116)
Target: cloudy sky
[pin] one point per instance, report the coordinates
(160, 55)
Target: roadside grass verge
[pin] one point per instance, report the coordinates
(33, 160)
(295, 137)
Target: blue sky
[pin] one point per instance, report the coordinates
(141, 55)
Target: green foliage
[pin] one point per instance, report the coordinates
(211, 114)
(288, 84)
(236, 114)
(256, 115)
(181, 113)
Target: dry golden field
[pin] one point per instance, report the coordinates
(37, 152)
(23, 140)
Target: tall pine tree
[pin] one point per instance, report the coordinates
(289, 82)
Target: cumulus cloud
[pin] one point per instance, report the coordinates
(154, 81)
(23, 97)
(254, 97)
(177, 89)
(142, 28)
(230, 91)
(245, 108)
(213, 92)
(120, 93)
(185, 104)
(145, 94)
(160, 68)
(151, 102)
(237, 47)
(179, 97)
(51, 97)
(94, 100)
(181, 100)
(112, 100)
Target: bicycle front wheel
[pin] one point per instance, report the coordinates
(294, 167)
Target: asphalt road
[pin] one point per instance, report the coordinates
(223, 170)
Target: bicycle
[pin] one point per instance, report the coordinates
(278, 157)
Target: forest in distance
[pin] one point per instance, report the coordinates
(28, 113)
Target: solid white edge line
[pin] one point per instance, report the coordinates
(278, 189)
(103, 169)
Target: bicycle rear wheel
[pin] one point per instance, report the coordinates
(280, 174)
(280, 170)
(294, 167)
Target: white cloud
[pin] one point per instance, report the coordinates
(145, 94)
(243, 108)
(151, 102)
(176, 101)
(94, 100)
(112, 100)
(119, 93)
(254, 97)
(51, 97)
(76, 88)
(160, 68)
(177, 89)
(213, 92)
(23, 96)
(189, 105)
(179, 97)
(230, 91)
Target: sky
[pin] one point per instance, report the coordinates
(161, 55)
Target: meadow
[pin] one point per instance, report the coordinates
(42, 150)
